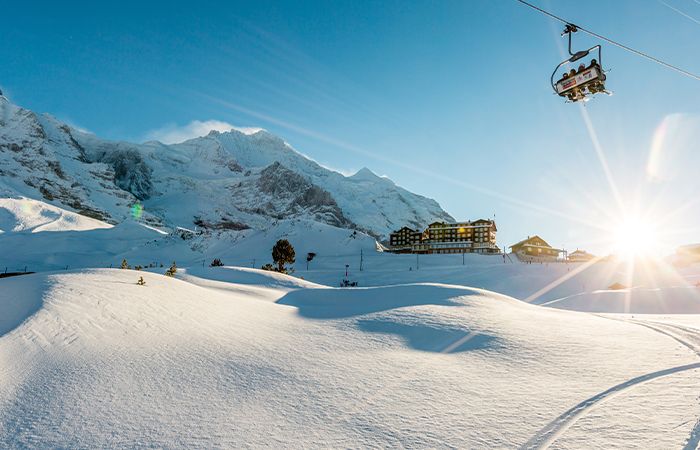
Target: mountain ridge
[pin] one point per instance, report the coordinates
(222, 177)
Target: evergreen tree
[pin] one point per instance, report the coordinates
(283, 253)
(125, 265)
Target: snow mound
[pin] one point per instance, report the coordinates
(90, 359)
(335, 303)
(245, 276)
(24, 214)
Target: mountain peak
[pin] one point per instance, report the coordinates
(365, 174)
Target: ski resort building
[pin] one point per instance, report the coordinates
(403, 240)
(535, 249)
(580, 256)
(441, 237)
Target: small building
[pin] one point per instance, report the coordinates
(580, 256)
(535, 249)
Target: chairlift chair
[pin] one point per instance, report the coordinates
(577, 85)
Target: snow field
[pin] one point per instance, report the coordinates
(259, 359)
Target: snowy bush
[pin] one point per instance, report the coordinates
(172, 270)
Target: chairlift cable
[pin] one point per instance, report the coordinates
(615, 43)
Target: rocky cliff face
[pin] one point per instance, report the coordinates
(223, 180)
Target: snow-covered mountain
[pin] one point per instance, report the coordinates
(222, 181)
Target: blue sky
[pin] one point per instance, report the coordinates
(450, 99)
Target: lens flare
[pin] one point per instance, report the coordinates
(136, 210)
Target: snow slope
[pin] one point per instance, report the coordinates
(24, 214)
(97, 361)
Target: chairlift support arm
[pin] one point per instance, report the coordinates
(569, 29)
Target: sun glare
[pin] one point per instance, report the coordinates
(635, 237)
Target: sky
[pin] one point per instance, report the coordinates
(450, 99)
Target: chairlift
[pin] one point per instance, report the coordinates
(579, 84)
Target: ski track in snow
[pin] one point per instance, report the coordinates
(694, 438)
(557, 427)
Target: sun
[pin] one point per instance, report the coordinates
(636, 237)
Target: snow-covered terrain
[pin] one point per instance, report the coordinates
(431, 351)
(423, 354)
(89, 359)
(223, 181)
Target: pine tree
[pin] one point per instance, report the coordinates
(125, 265)
(283, 253)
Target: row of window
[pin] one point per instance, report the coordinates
(408, 241)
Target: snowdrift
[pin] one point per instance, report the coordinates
(24, 214)
(91, 360)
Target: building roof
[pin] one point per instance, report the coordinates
(541, 243)
(493, 222)
(528, 240)
(405, 228)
